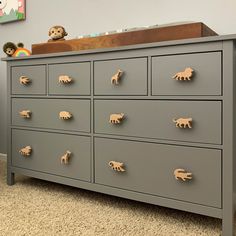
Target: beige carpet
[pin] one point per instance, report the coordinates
(35, 207)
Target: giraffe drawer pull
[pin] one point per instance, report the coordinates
(183, 123)
(25, 114)
(24, 80)
(26, 151)
(116, 118)
(65, 79)
(117, 166)
(65, 158)
(115, 79)
(65, 115)
(187, 74)
(181, 174)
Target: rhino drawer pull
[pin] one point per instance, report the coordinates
(117, 166)
(181, 174)
(187, 74)
(24, 80)
(25, 114)
(116, 118)
(183, 122)
(26, 151)
(65, 158)
(115, 79)
(65, 115)
(65, 79)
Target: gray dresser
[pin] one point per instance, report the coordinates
(152, 123)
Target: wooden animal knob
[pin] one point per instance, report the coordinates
(117, 166)
(24, 80)
(65, 115)
(65, 79)
(181, 174)
(65, 158)
(25, 114)
(183, 122)
(26, 151)
(187, 74)
(116, 118)
(116, 77)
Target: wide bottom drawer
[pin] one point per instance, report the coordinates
(177, 172)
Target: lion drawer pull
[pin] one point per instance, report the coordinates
(117, 166)
(65, 158)
(26, 151)
(187, 74)
(183, 122)
(65, 79)
(25, 114)
(181, 174)
(116, 118)
(115, 79)
(65, 115)
(24, 80)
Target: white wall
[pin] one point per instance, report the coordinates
(89, 16)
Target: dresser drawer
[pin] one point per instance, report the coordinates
(28, 80)
(205, 79)
(153, 169)
(62, 114)
(131, 81)
(155, 119)
(69, 79)
(49, 152)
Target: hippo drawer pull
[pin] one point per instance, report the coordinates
(115, 79)
(183, 122)
(65, 79)
(65, 115)
(117, 166)
(116, 118)
(24, 80)
(181, 174)
(187, 74)
(25, 114)
(65, 158)
(26, 151)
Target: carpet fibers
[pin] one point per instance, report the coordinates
(35, 207)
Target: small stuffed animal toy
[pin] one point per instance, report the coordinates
(56, 33)
(13, 50)
(9, 48)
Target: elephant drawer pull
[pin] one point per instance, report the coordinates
(183, 123)
(26, 151)
(25, 114)
(117, 166)
(65, 79)
(24, 80)
(187, 74)
(181, 174)
(65, 158)
(115, 79)
(116, 118)
(65, 115)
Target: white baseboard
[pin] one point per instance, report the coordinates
(3, 157)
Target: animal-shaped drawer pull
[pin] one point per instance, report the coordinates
(26, 151)
(181, 174)
(117, 166)
(24, 80)
(183, 122)
(115, 79)
(187, 74)
(65, 115)
(116, 118)
(25, 114)
(65, 158)
(65, 79)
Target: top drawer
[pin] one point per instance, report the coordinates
(131, 81)
(28, 80)
(171, 76)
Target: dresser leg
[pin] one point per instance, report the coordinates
(228, 226)
(10, 178)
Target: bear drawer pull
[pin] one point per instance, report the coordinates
(187, 74)
(183, 122)
(116, 118)
(26, 151)
(115, 79)
(25, 114)
(65, 115)
(65, 158)
(181, 174)
(117, 166)
(24, 80)
(65, 79)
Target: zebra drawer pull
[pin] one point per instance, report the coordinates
(181, 174)
(116, 118)
(117, 166)
(187, 74)
(65, 79)
(25, 114)
(26, 151)
(183, 123)
(65, 115)
(65, 158)
(24, 80)
(115, 79)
